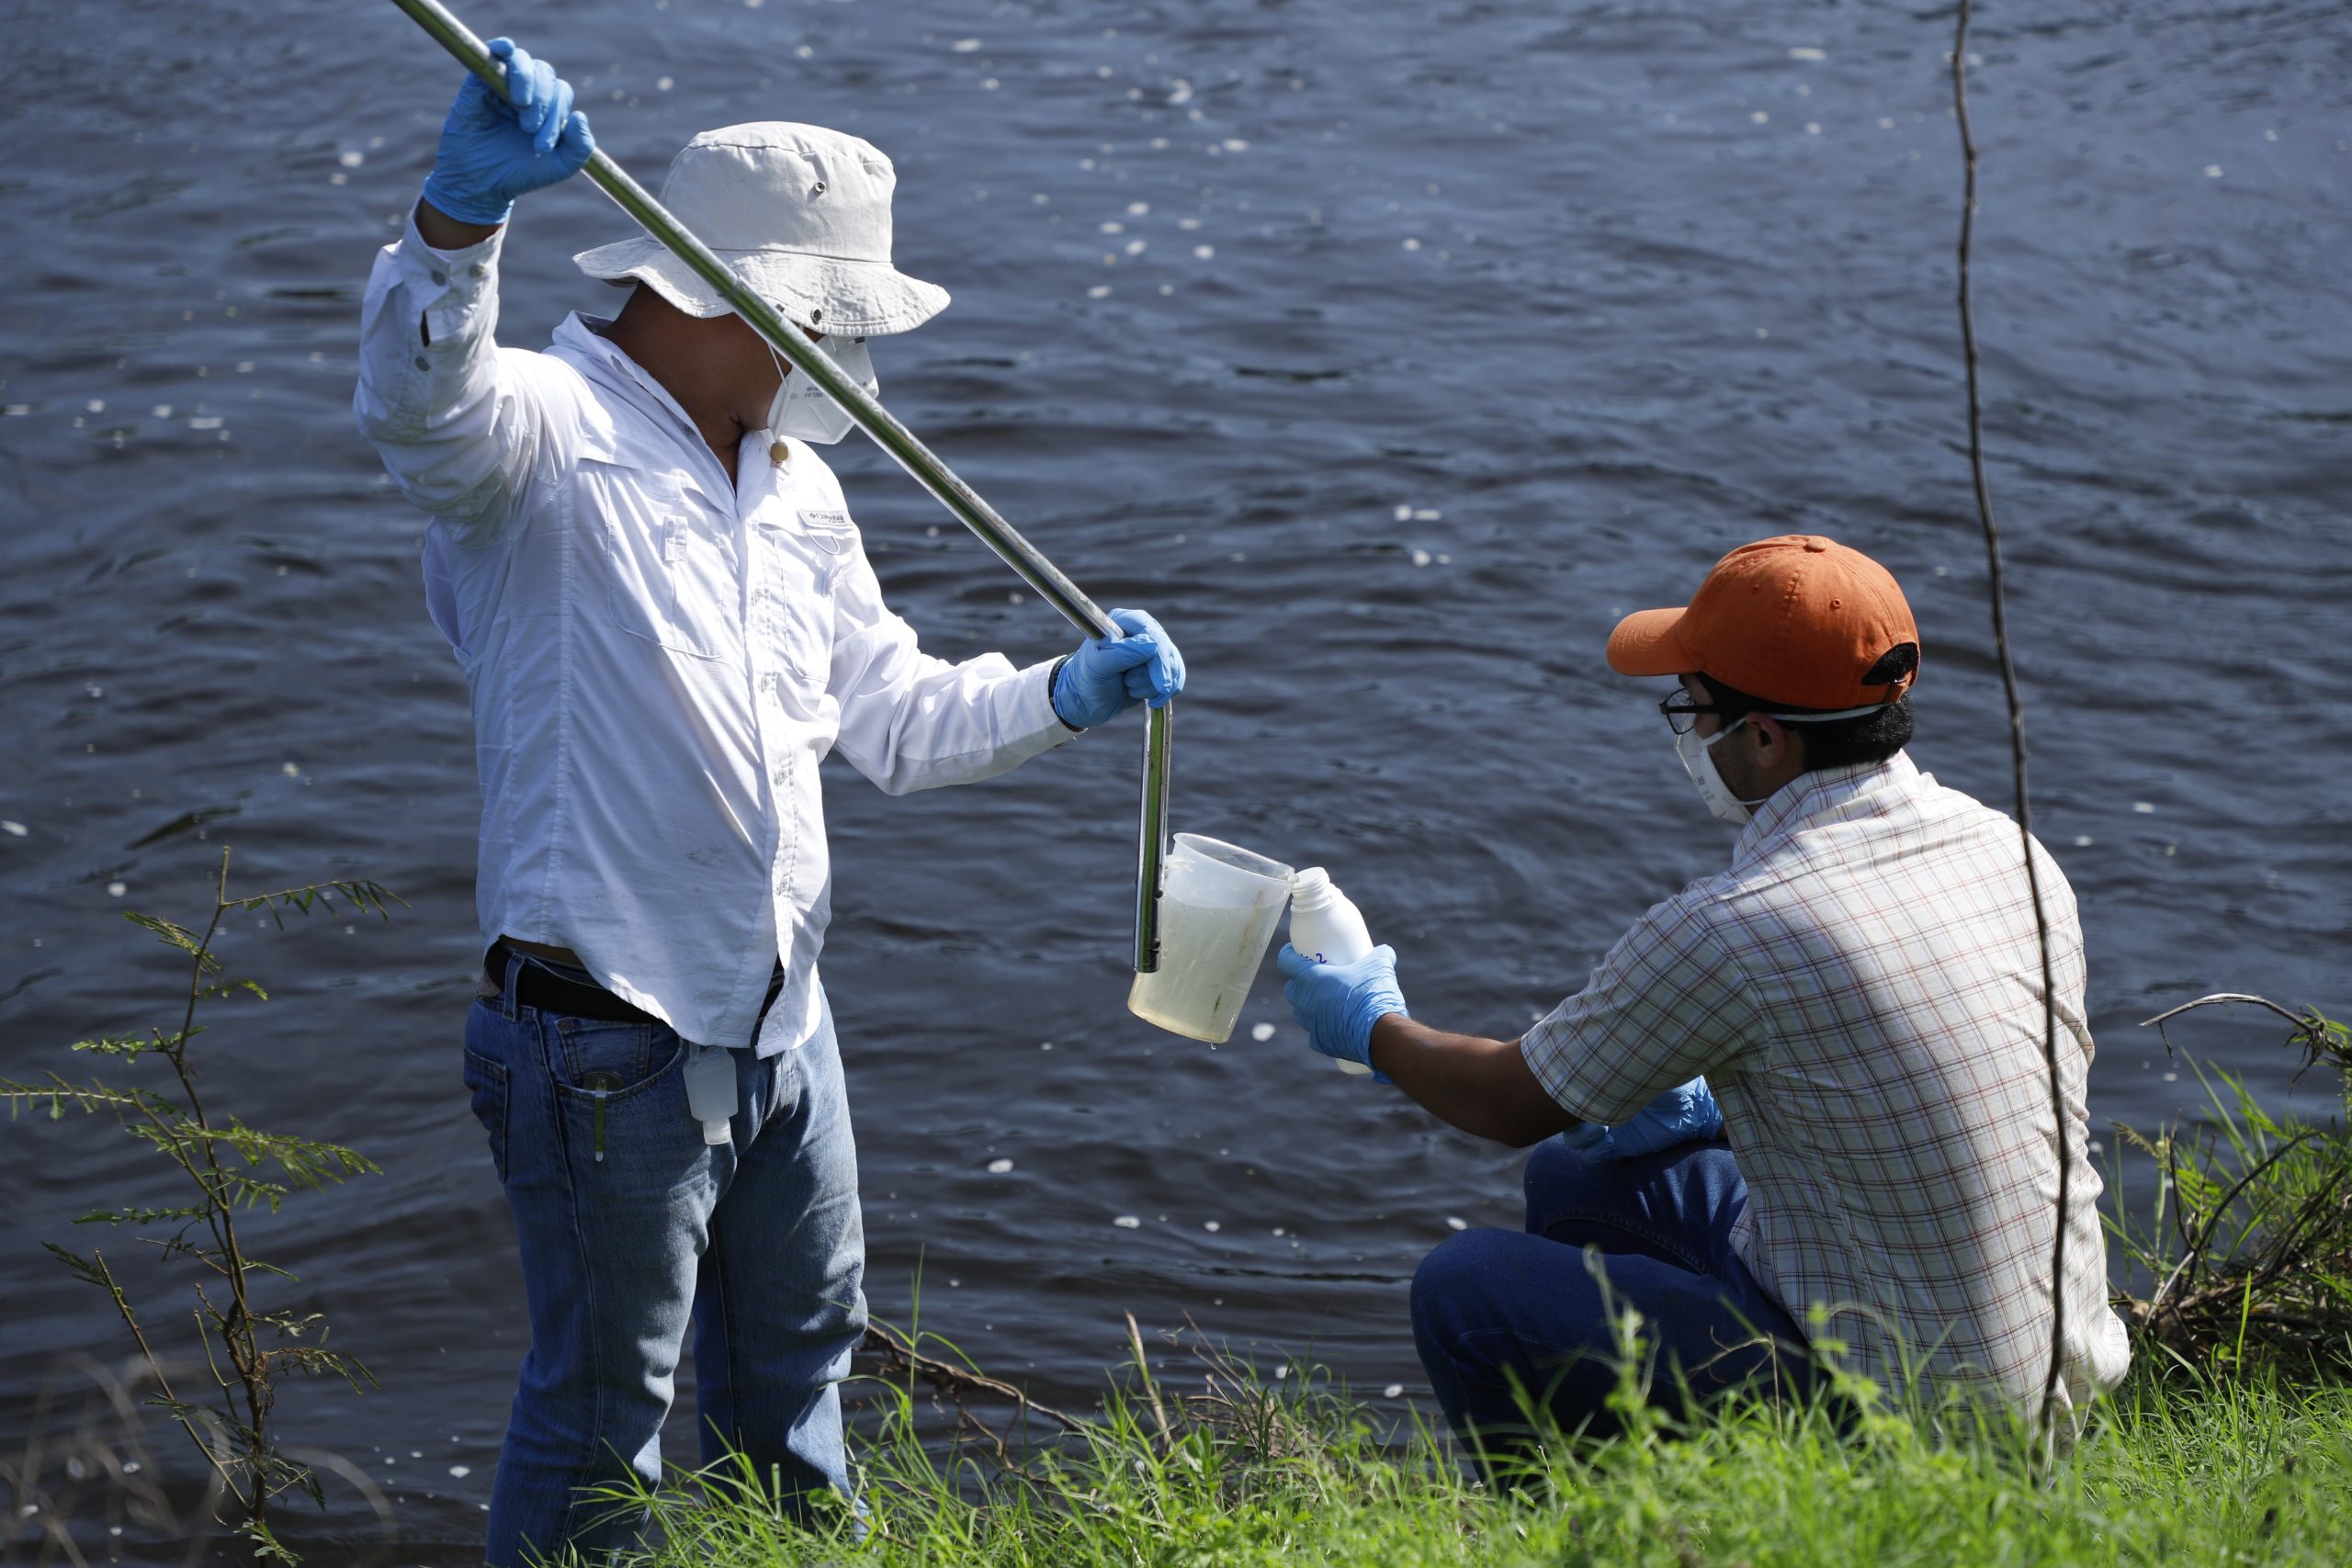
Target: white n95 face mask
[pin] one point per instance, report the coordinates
(1693, 749)
(805, 410)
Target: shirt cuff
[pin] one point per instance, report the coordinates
(448, 287)
(1547, 1057)
(1043, 728)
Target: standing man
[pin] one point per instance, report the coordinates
(1863, 989)
(666, 620)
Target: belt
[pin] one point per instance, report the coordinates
(537, 985)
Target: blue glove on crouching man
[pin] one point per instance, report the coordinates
(1337, 1004)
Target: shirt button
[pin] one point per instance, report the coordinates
(423, 363)
(440, 277)
(479, 270)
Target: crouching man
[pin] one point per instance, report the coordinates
(1862, 989)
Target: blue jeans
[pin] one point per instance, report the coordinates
(1491, 1307)
(630, 1226)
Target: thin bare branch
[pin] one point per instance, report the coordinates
(2016, 713)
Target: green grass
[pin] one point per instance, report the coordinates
(2231, 1442)
(2193, 1470)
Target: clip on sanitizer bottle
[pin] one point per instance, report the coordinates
(1327, 927)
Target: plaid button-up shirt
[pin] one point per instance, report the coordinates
(1862, 990)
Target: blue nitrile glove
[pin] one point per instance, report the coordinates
(494, 151)
(1336, 1004)
(1104, 678)
(1683, 1115)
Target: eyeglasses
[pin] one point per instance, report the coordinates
(1682, 713)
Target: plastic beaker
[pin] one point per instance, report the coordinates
(1219, 907)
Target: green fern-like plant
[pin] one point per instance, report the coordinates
(231, 1170)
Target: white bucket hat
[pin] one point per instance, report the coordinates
(801, 212)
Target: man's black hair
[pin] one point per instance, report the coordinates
(1840, 742)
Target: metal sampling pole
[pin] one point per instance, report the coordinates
(890, 435)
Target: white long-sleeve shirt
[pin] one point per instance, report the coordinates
(658, 657)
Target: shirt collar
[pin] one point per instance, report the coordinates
(583, 336)
(1819, 796)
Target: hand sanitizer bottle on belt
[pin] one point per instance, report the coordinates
(1327, 927)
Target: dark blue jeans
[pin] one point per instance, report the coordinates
(632, 1229)
(1493, 1309)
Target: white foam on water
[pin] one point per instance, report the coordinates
(14, 829)
(1100, 291)
(461, 1470)
(1801, 52)
(1420, 557)
(1127, 1222)
(2212, 171)
(1455, 1223)
(1394, 1390)
(1212, 1225)
(2143, 808)
(1256, 1031)
(115, 890)
(965, 45)
(998, 1166)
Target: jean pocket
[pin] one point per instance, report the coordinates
(591, 1057)
(487, 1081)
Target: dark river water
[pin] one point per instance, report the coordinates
(1387, 353)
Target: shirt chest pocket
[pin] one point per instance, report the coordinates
(793, 605)
(671, 571)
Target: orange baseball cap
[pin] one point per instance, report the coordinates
(1797, 619)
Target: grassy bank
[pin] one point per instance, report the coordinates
(2179, 1471)
(2232, 1442)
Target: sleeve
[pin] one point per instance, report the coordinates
(1665, 1005)
(461, 424)
(911, 721)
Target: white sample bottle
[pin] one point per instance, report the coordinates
(1327, 927)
